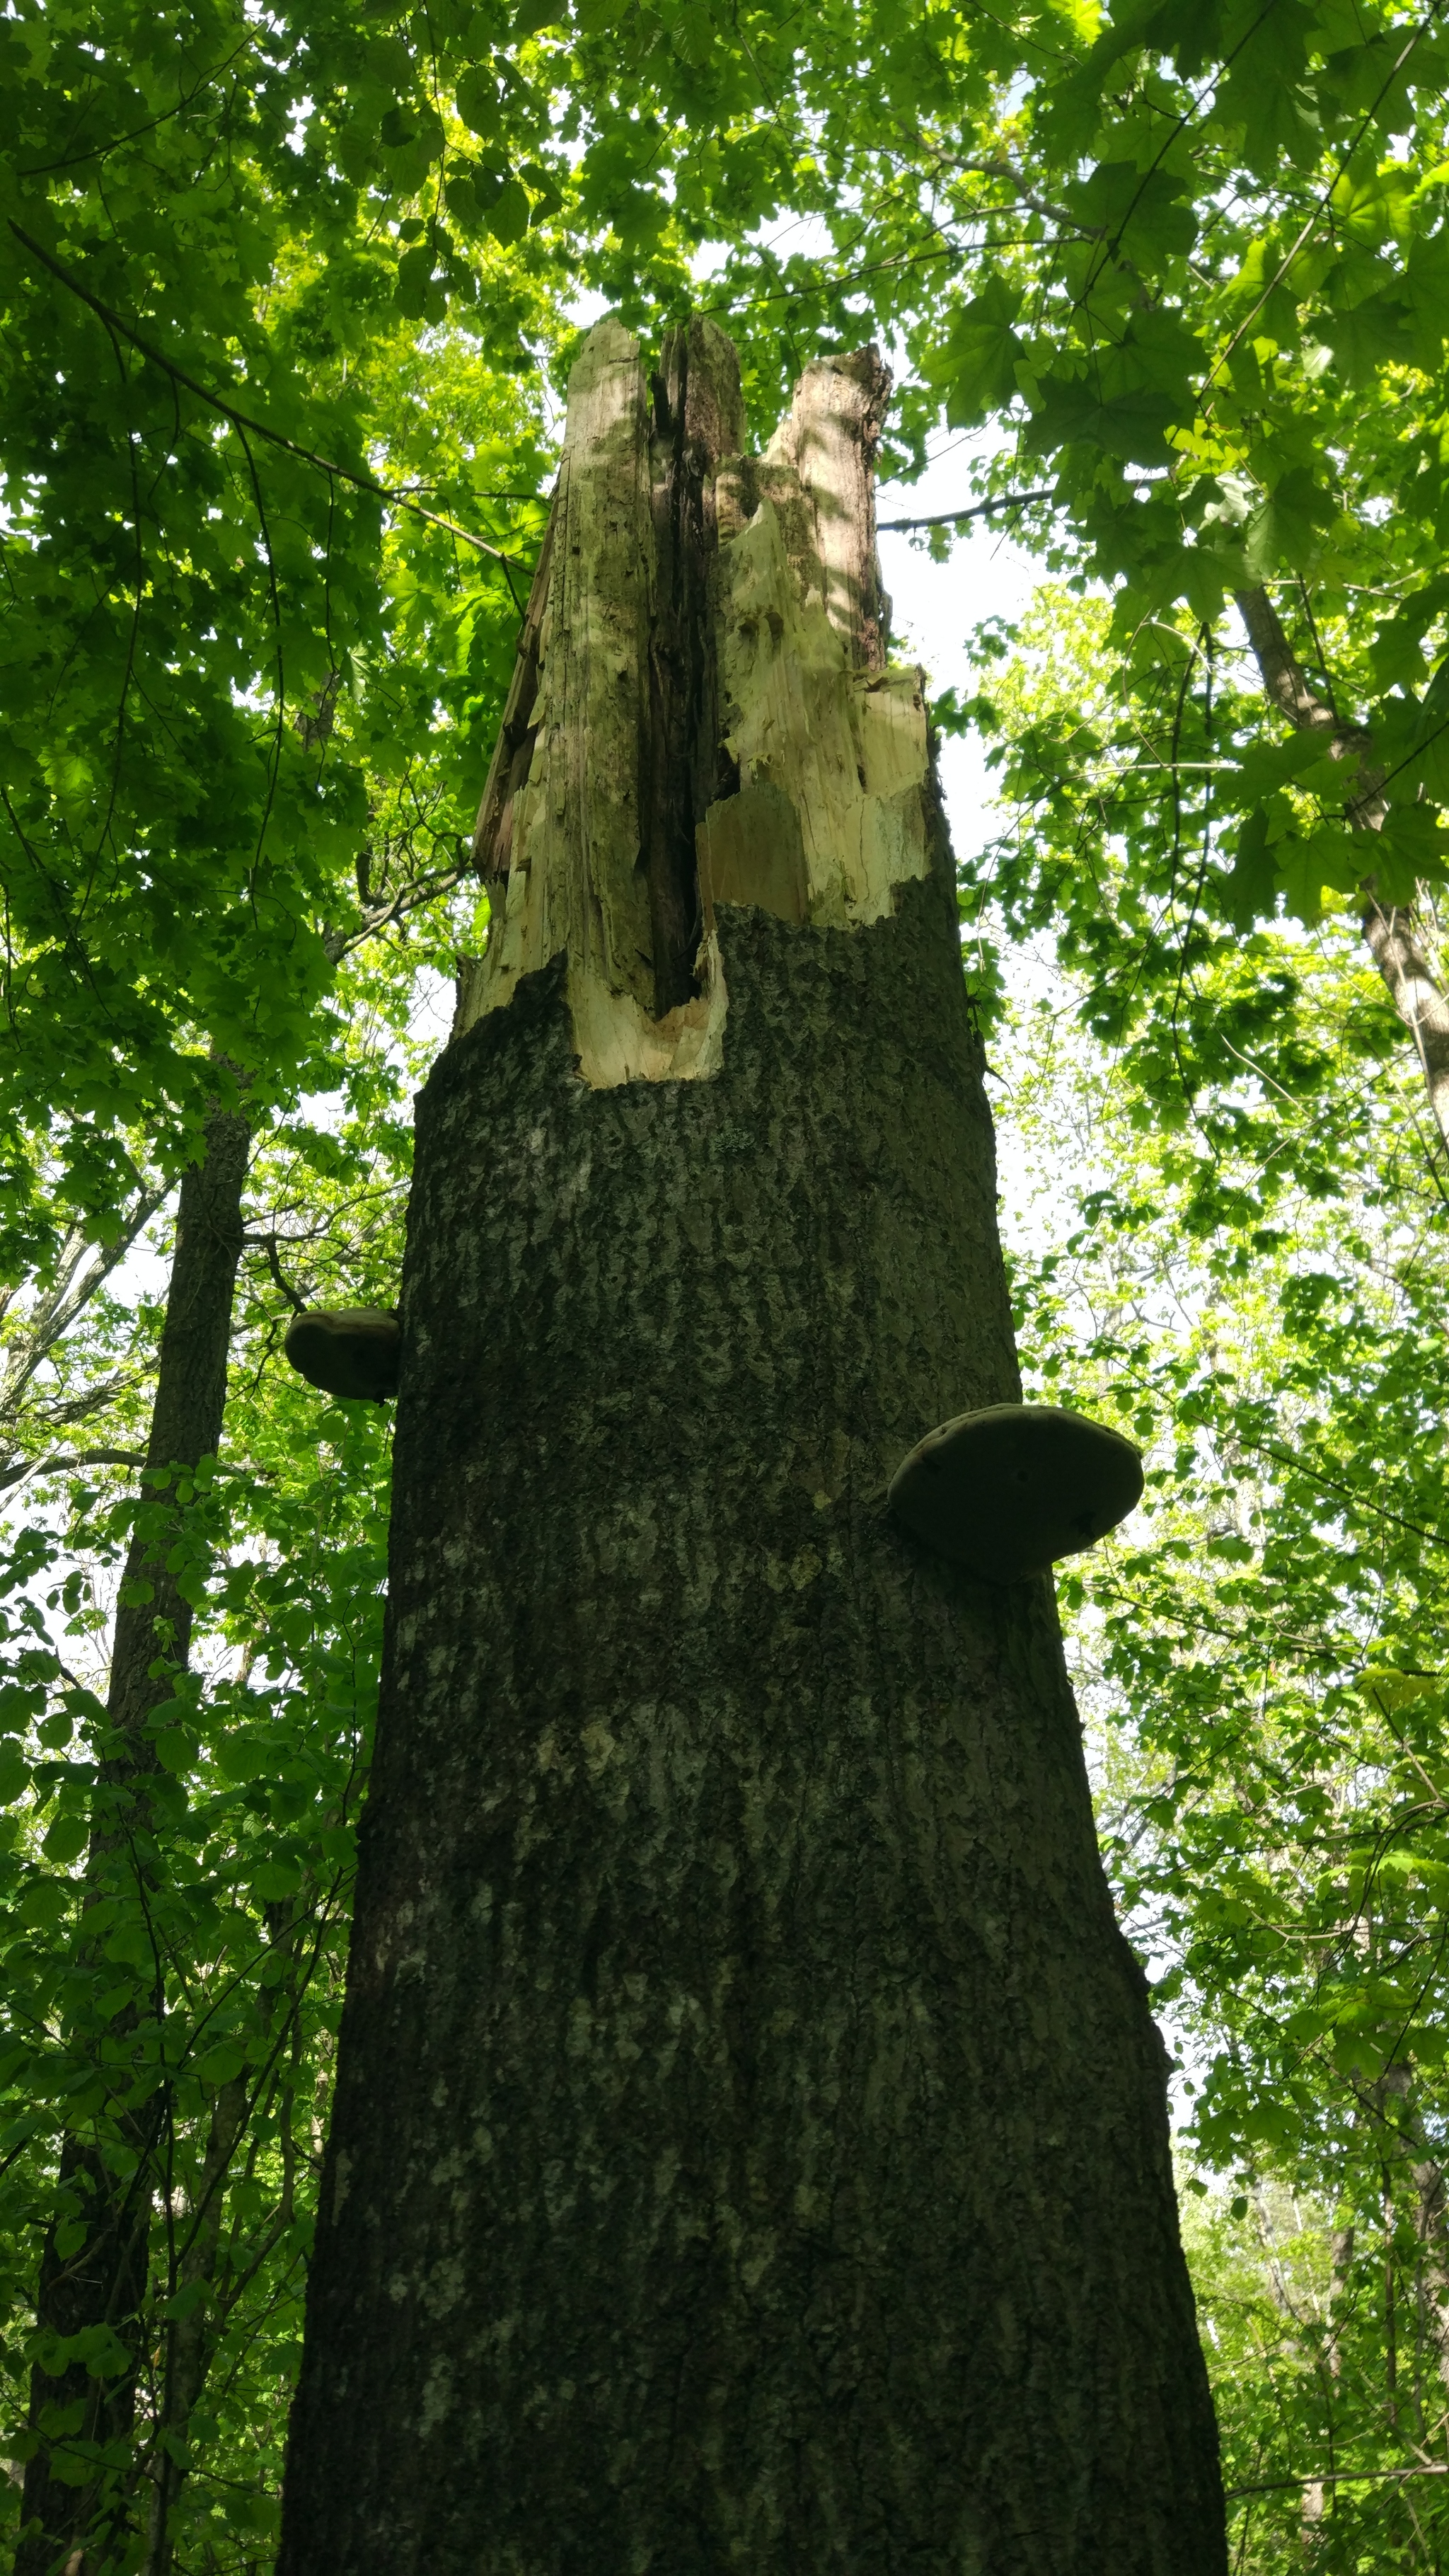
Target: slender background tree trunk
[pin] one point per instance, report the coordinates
(189, 2338)
(1391, 933)
(750, 2143)
(103, 2281)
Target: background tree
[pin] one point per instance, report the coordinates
(1257, 1290)
(175, 2024)
(89, 2294)
(102, 1106)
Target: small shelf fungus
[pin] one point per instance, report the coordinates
(346, 1350)
(1007, 1491)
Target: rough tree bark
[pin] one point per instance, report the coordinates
(750, 2144)
(1390, 931)
(103, 2281)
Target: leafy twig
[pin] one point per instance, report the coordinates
(245, 421)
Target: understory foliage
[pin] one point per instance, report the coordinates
(289, 296)
(176, 2009)
(1249, 1278)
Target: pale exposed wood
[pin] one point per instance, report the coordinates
(574, 884)
(821, 749)
(830, 438)
(845, 749)
(751, 850)
(575, 835)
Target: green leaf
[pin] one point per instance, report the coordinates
(187, 2300)
(1130, 425)
(1328, 860)
(1374, 205)
(1425, 294)
(476, 97)
(274, 1880)
(221, 2063)
(1286, 530)
(509, 213)
(1303, 759)
(45, 1901)
(1146, 214)
(414, 277)
(975, 365)
(1249, 892)
(66, 1839)
(243, 1757)
(1385, 1688)
(1380, 331)
(1125, 397)
(1411, 845)
(1397, 648)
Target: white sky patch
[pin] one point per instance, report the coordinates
(936, 606)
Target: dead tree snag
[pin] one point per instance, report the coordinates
(750, 2146)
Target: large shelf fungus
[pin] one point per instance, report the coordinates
(346, 1350)
(1008, 1491)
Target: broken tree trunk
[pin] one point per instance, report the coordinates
(750, 2145)
(93, 2268)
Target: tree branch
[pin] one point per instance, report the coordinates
(267, 1243)
(245, 421)
(1390, 931)
(977, 510)
(56, 1307)
(79, 1458)
(340, 943)
(1335, 2478)
(1028, 197)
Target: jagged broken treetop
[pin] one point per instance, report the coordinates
(702, 714)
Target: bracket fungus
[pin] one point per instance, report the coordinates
(1007, 1491)
(346, 1350)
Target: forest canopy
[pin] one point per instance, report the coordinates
(290, 297)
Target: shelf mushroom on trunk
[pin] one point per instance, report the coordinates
(346, 1350)
(1009, 1490)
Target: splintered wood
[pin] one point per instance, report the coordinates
(705, 642)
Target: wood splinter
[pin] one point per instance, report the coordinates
(346, 1350)
(1007, 1491)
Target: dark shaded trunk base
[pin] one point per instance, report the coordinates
(750, 2147)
